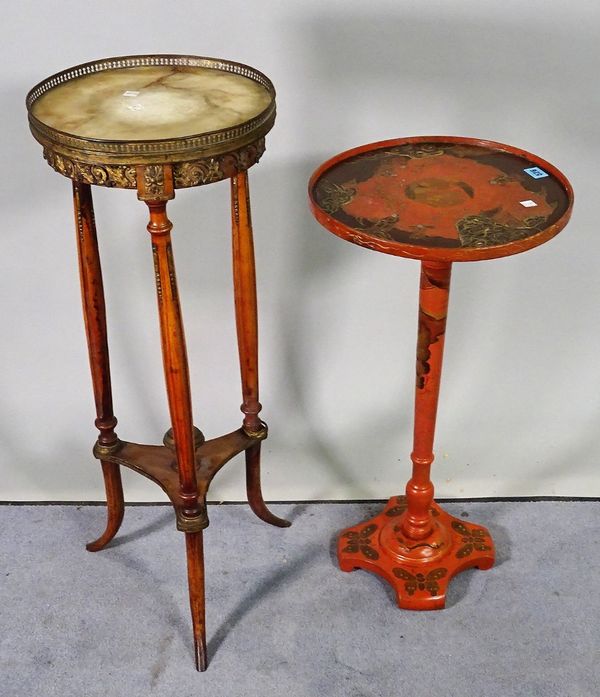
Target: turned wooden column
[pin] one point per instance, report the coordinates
(244, 290)
(94, 315)
(155, 187)
(433, 308)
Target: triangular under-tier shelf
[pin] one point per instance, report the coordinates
(159, 463)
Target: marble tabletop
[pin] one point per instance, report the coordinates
(151, 102)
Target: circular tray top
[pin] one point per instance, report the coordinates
(137, 110)
(441, 198)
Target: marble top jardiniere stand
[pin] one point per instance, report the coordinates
(158, 123)
(439, 200)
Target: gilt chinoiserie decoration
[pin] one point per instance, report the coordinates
(155, 124)
(439, 200)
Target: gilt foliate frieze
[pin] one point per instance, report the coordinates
(121, 176)
(198, 172)
(214, 169)
(185, 174)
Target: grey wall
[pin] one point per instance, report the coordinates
(520, 407)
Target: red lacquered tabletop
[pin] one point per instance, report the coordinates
(441, 198)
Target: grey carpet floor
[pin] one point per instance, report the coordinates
(282, 619)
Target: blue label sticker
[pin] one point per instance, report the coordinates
(536, 172)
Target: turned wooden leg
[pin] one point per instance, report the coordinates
(94, 314)
(115, 505)
(244, 283)
(195, 565)
(191, 518)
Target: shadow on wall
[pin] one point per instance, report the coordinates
(480, 77)
(303, 262)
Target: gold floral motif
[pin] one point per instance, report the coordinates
(418, 150)
(122, 176)
(420, 581)
(213, 169)
(154, 180)
(361, 542)
(473, 539)
(412, 151)
(483, 231)
(380, 228)
(331, 197)
(194, 173)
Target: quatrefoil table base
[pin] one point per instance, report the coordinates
(439, 200)
(378, 545)
(154, 124)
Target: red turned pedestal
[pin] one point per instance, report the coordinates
(439, 200)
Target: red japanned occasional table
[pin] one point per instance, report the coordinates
(436, 199)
